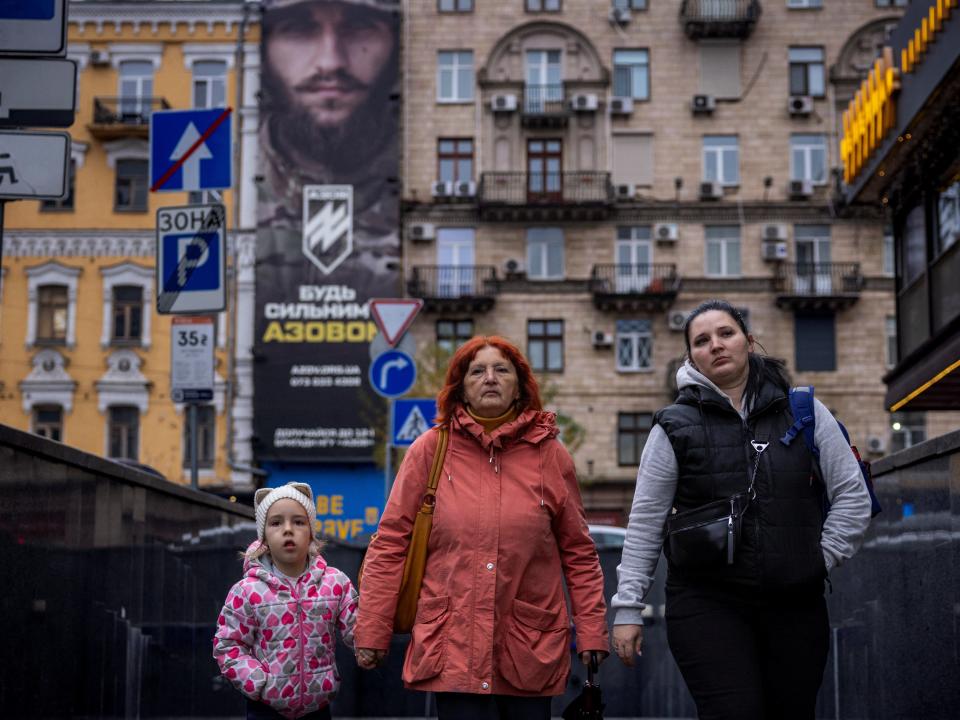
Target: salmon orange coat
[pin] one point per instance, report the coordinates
(508, 527)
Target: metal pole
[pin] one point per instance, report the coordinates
(194, 437)
(387, 461)
(2, 203)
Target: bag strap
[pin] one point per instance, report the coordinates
(804, 418)
(430, 495)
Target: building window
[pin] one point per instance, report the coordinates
(64, 204)
(452, 6)
(545, 253)
(634, 254)
(723, 250)
(455, 261)
(544, 81)
(52, 312)
(907, 430)
(890, 332)
(545, 345)
(543, 5)
(48, 422)
(630, 4)
(206, 434)
(888, 252)
(455, 159)
(632, 432)
(131, 188)
(948, 218)
(806, 71)
(127, 314)
(451, 334)
(808, 158)
(798, 4)
(815, 343)
(891, 3)
(721, 159)
(136, 90)
(455, 76)
(812, 251)
(631, 74)
(209, 84)
(634, 345)
(123, 431)
(914, 243)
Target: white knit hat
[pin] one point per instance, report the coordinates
(265, 497)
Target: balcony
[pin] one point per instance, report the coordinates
(818, 286)
(545, 106)
(639, 287)
(115, 117)
(704, 19)
(551, 196)
(454, 288)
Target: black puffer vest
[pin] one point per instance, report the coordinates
(780, 535)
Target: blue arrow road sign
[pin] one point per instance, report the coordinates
(190, 150)
(412, 417)
(392, 373)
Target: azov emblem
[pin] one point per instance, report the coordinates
(327, 225)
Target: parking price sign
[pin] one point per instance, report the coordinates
(191, 363)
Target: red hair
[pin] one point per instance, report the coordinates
(452, 393)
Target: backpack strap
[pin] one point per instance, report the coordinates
(804, 418)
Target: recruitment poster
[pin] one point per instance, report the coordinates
(328, 218)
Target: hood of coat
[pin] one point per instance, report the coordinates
(532, 426)
(689, 376)
(261, 568)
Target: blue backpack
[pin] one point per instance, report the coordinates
(802, 407)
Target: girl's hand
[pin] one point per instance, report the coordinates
(627, 642)
(369, 658)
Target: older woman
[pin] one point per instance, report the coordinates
(491, 637)
(747, 625)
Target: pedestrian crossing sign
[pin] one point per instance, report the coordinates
(411, 418)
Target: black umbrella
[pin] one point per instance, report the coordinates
(588, 705)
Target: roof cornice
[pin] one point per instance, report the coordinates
(97, 15)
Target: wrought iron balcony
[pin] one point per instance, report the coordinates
(545, 106)
(454, 288)
(124, 116)
(634, 287)
(523, 196)
(719, 18)
(818, 286)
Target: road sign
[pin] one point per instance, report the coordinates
(36, 27)
(33, 164)
(191, 363)
(191, 259)
(411, 418)
(394, 316)
(392, 373)
(190, 150)
(37, 91)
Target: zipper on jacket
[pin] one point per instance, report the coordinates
(730, 535)
(303, 645)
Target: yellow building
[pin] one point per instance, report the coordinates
(84, 355)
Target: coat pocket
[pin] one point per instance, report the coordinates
(535, 654)
(280, 693)
(425, 655)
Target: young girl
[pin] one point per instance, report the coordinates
(275, 635)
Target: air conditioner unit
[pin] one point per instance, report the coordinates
(422, 232)
(773, 250)
(665, 232)
(619, 15)
(775, 232)
(711, 190)
(621, 106)
(442, 189)
(625, 191)
(100, 58)
(465, 188)
(703, 104)
(503, 103)
(513, 267)
(876, 444)
(584, 102)
(799, 189)
(800, 105)
(676, 320)
(602, 339)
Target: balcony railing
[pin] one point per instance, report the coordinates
(114, 116)
(636, 286)
(454, 288)
(818, 285)
(719, 18)
(562, 188)
(545, 106)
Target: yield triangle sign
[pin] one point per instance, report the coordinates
(394, 316)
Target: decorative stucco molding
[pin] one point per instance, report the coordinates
(198, 52)
(97, 16)
(48, 383)
(123, 383)
(132, 148)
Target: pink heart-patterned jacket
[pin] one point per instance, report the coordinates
(276, 643)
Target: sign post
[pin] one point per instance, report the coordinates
(191, 374)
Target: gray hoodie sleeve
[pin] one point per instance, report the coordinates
(656, 487)
(849, 514)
